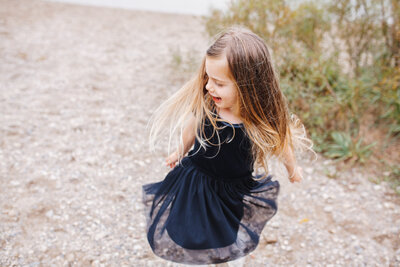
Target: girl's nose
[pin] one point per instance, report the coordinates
(208, 87)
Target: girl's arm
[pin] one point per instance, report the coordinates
(188, 137)
(295, 172)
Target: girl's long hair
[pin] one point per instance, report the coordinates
(261, 105)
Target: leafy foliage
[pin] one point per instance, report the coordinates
(344, 148)
(337, 61)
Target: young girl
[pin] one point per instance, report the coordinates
(210, 208)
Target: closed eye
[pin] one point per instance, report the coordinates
(218, 84)
(206, 78)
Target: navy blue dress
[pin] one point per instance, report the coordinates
(209, 209)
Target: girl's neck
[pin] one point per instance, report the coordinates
(229, 116)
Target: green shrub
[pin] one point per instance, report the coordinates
(325, 98)
(344, 148)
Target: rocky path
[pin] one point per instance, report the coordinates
(77, 87)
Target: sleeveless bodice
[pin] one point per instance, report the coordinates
(231, 159)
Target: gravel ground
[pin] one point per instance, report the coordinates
(78, 85)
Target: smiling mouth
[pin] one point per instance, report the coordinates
(216, 99)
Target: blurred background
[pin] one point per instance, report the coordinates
(338, 62)
(176, 6)
(79, 81)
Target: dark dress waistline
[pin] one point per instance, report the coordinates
(218, 177)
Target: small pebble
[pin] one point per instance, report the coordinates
(328, 208)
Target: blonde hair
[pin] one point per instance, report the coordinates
(261, 105)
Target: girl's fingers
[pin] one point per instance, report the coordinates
(170, 163)
(298, 176)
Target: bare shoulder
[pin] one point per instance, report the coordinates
(190, 126)
(191, 121)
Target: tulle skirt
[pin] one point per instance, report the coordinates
(194, 217)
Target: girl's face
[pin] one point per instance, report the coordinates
(220, 86)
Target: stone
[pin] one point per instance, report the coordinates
(328, 208)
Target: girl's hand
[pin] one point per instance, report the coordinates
(172, 160)
(297, 175)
